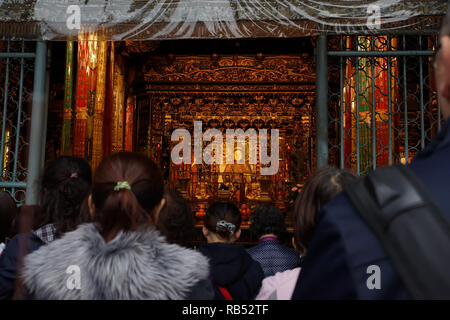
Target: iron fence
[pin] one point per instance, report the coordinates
(383, 106)
(382, 99)
(16, 86)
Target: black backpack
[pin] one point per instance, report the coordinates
(409, 225)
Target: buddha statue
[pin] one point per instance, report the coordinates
(202, 190)
(239, 171)
(253, 189)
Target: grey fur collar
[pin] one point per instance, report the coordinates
(134, 265)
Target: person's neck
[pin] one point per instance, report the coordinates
(219, 241)
(212, 238)
(268, 235)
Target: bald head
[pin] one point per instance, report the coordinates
(443, 67)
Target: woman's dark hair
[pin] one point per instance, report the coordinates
(124, 209)
(8, 214)
(65, 184)
(176, 221)
(222, 211)
(267, 219)
(321, 187)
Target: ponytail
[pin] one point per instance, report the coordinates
(127, 188)
(66, 182)
(224, 219)
(120, 208)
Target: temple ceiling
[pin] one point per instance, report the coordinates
(182, 19)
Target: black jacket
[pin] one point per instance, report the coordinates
(232, 267)
(343, 246)
(8, 262)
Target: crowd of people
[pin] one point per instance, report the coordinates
(130, 237)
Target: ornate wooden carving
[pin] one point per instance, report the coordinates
(227, 92)
(240, 69)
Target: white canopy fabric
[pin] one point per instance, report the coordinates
(194, 19)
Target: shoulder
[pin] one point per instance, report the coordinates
(256, 270)
(171, 271)
(185, 270)
(9, 260)
(176, 256)
(49, 267)
(134, 265)
(11, 251)
(183, 260)
(280, 278)
(282, 282)
(256, 251)
(253, 277)
(203, 290)
(288, 252)
(254, 248)
(63, 249)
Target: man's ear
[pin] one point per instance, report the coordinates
(91, 207)
(444, 68)
(205, 231)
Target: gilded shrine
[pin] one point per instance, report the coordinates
(228, 92)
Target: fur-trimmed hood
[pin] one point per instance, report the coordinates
(134, 265)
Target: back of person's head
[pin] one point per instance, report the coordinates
(267, 219)
(224, 220)
(8, 215)
(127, 192)
(322, 186)
(176, 220)
(442, 67)
(65, 184)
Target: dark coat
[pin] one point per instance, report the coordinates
(8, 262)
(274, 257)
(232, 267)
(343, 246)
(202, 290)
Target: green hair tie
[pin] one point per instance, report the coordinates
(122, 185)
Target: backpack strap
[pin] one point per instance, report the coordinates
(409, 225)
(225, 293)
(222, 290)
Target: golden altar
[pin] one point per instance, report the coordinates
(228, 92)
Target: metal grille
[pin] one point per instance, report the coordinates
(16, 85)
(383, 104)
